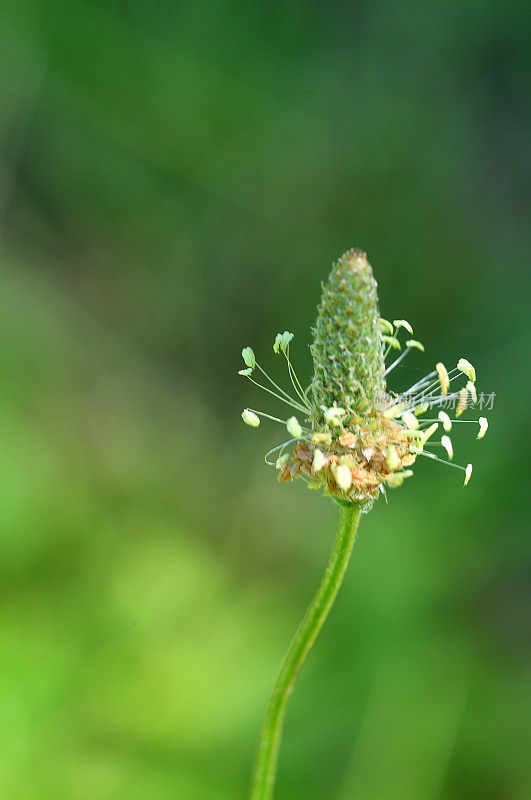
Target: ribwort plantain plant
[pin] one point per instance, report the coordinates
(353, 438)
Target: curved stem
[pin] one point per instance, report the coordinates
(266, 762)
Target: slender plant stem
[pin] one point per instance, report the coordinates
(316, 613)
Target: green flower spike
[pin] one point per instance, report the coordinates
(347, 407)
(355, 439)
(347, 345)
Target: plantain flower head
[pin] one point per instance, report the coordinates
(352, 436)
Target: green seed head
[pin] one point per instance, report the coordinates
(347, 348)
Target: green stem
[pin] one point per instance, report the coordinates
(316, 613)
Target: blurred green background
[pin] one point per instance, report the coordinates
(175, 182)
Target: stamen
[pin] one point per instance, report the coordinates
(483, 425)
(393, 482)
(394, 411)
(282, 341)
(397, 478)
(294, 427)
(446, 421)
(276, 449)
(453, 421)
(267, 416)
(290, 402)
(250, 418)
(321, 438)
(429, 432)
(428, 393)
(393, 342)
(406, 473)
(295, 381)
(403, 323)
(319, 460)
(447, 444)
(433, 387)
(472, 389)
(410, 420)
(343, 476)
(425, 389)
(434, 400)
(426, 379)
(397, 361)
(443, 377)
(466, 367)
(248, 357)
(414, 434)
(441, 460)
(462, 403)
(291, 399)
(392, 458)
(415, 343)
(385, 325)
(438, 400)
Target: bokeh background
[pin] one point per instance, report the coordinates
(176, 179)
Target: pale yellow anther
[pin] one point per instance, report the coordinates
(444, 380)
(406, 473)
(472, 389)
(343, 476)
(397, 478)
(465, 366)
(462, 402)
(416, 344)
(248, 357)
(410, 420)
(321, 438)
(385, 325)
(429, 432)
(393, 411)
(446, 421)
(447, 444)
(393, 481)
(250, 418)
(392, 341)
(483, 425)
(468, 473)
(294, 427)
(403, 323)
(319, 460)
(392, 458)
(421, 409)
